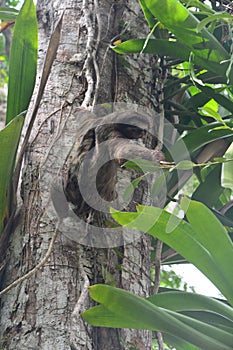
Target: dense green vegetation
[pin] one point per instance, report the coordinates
(194, 43)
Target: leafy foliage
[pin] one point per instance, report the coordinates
(22, 73)
(21, 85)
(23, 61)
(8, 142)
(196, 41)
(196, 240)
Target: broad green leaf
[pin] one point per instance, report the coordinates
(194, 141)
(210, 233)
(175, 17)
(49, 59)
(227, 169)
(154, 46)
(195, 246)
(8, 13)
(177, 343)
(121, 309)
(211, 319)
(201, 99)
(212, 181)
(181, 22)
(23, 61)
(9, 138)
(174, 49)
(185, 301)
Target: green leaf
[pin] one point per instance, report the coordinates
(184, 165)
(197, 100)
(208, 111)
(121, 309)
(177, 343)
(219, 98)
(148, 15)
(142, 165)
(203, 193)
(49, 59)
(9, 138)
(227, 169)
(196, 241)
(201, 136)
(154, 46)
(175, 17)
(8, 13)
(224, 219)
(170, 48)
(212, 18)
(210, 233)
(185, 301)
(23, 61)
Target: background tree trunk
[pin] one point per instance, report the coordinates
(43, 312)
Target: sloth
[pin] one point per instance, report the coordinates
(90, 172)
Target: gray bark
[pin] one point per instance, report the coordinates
(43, 312)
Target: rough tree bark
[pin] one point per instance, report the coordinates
(43, 312)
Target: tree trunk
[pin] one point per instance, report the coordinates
(43, 312)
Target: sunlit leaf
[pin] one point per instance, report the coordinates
(23, 61)
(196, 241)
(181, 22)
(185, 301)
(154, 46)
(48, 62)
(121, 309)
(211, 113)
(8, 13)
(219, 98)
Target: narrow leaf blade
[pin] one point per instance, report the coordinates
(23, 61)
(9, 138)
